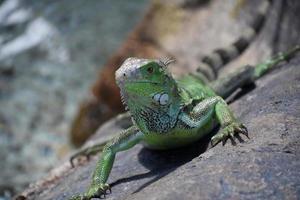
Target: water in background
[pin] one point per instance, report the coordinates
(50, 53)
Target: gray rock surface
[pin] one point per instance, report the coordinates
(266, 166)
(50, 53)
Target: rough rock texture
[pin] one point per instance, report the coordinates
(266, 166)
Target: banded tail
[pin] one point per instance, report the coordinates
(211, 64)
(225, 86)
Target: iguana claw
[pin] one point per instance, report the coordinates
(87, 152)
(94, 192)
(76, 155)
(229, 131)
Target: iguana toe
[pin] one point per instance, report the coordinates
(94, 192)
(77, 155)
(87, 152)
(229, 131)
(99, 191)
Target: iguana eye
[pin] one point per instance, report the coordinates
(164, 98)
(161, 98)
(150, 70)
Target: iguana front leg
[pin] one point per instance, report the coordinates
(204, 110)
(124, 141)
(123, 119)
(229, 125)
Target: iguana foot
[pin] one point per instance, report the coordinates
(78, 197)
(229, 131)
(87, 152)
(94, 192)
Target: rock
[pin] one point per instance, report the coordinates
(266, 166)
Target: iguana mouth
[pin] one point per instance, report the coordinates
(143, 81)
(121, 83)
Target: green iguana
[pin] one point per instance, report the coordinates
(168, 113)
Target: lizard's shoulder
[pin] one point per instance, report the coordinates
(192, 89)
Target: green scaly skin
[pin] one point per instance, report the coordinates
(169, 113)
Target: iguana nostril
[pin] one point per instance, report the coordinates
(124, 74)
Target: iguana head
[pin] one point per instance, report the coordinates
(150, 93)
(145, 82)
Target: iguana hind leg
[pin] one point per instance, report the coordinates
(224, 86)
(229, 125)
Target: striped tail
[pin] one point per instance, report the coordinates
(226, 85)
(211, 64)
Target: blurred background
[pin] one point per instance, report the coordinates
(57, 64)
(50, 54)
